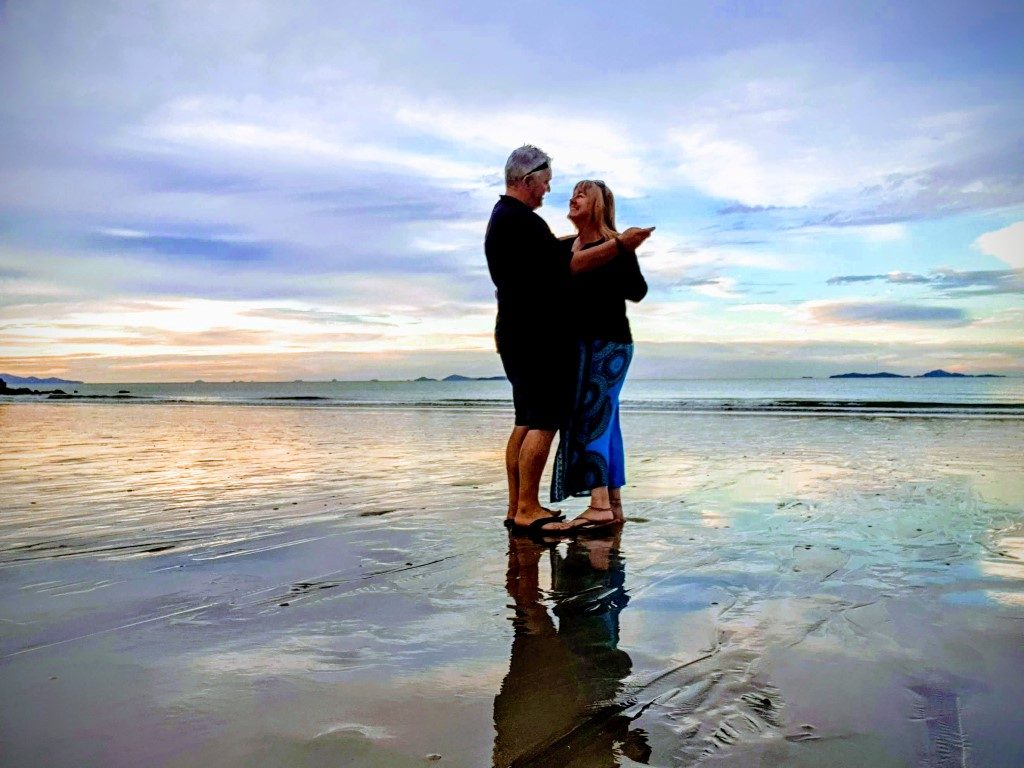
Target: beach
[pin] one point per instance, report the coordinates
(240, 585)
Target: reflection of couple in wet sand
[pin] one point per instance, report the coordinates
(564, 342)
(556, 706)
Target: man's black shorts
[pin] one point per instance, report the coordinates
(541, 379)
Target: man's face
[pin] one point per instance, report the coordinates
(537, 185)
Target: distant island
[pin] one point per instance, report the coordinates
(459, 377)
(32, 381)
(936, 374)
(60, 394)
(6, 390)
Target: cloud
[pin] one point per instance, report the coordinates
(949, 282)
(201, 248)
(986, 181)
(716, 287)
(436, 361)
(732, 169)
(905, 278)
(700, 281)
(740, 208)
(886, 313)
(772, 308)
(306, 148)
(580, 146)
(877, 233)
(668, 259)
(160, 337)
(1011, 319)
(847, 279)
(653, 360)
(897, 278)
(964, 283)
(318, 316)
(782, 359)
(1006, 244)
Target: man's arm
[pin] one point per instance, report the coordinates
(590, 258)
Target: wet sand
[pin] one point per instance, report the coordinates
(244, 586)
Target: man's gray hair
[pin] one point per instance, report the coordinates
(523, 161)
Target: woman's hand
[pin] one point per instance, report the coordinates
(589, 258)
(634, 237)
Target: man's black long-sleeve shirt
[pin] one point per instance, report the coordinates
(530, 269)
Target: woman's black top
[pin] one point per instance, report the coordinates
(598, 297)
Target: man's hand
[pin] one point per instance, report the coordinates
(633, 237)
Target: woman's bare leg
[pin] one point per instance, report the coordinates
(599, 498)
(615, 502)
(600, 509)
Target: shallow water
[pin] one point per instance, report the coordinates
(188, 585)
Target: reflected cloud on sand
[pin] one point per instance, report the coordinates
(557, 704)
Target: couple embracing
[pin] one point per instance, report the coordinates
(564, 342)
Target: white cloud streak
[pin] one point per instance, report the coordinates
(1006, 244)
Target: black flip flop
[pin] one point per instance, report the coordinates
(536, 528)
(595, 526)
(510, 524)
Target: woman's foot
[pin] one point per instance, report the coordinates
(617, 510)
(593, 517)
(540, 528)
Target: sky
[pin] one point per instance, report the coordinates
(272, 191)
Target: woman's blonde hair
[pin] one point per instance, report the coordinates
(604, 205)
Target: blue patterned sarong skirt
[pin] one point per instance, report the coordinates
(590, 452)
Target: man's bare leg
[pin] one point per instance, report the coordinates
(515, 445)
(532, 457)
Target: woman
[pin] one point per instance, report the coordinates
(590, 457)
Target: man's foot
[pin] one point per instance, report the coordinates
(510, 516)
(530, 518)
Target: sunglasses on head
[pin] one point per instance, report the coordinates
(541, 167)
(597, 183)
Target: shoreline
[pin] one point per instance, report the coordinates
(808, 408)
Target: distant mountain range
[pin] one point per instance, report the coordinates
(32, 381)
(936, 374)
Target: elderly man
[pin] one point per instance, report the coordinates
(531, 269)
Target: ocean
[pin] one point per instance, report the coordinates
(959, 397)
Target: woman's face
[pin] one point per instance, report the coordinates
(581, 204)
